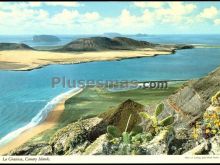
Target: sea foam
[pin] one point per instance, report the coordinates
(40, 117)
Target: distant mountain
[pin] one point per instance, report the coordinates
(45, 38)
(117, 43)
(112, 35)
(140, 35)
(104, 43)
(14, 46)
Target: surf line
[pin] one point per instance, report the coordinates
(46, 113)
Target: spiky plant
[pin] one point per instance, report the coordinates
(113, 132)
(156, 123)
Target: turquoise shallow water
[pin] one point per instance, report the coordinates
(26, 93)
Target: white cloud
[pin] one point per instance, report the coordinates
(175, 13)
(42, 15)
(209, 13)
(34, 4)
(167, 12)
(127, 22)
(22, 20)
(66, 17)
(93, 16)
(72, 20)
(107, 23)
(147, 17)
(29, 17)
(25, 5)
(149, 4)
(217, 21)
(180, 8)
(19, 5)
(126, 19)
(172, 8)
(65, 4)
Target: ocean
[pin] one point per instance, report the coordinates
(28, 96)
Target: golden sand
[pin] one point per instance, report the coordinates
(49, 123)
(30, 59)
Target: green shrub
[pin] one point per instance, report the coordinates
(113, 132)
(129, 143)
(156, 123)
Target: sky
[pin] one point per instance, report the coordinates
(104, 17)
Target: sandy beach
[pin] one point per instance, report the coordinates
(31, 59)
(50, 122)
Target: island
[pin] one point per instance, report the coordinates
(83, 50)
(45, 38)
(112, 34)
(140, 35)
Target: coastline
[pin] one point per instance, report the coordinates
(49, 123)
(26, 60)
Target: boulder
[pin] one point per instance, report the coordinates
(73, 135)
(159, 145)
(29, 149)
(96, 148)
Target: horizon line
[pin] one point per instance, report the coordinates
(113, 33)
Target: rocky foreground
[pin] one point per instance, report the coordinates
(185, 123)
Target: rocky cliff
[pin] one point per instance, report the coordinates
(190, 102)
(188, 107)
